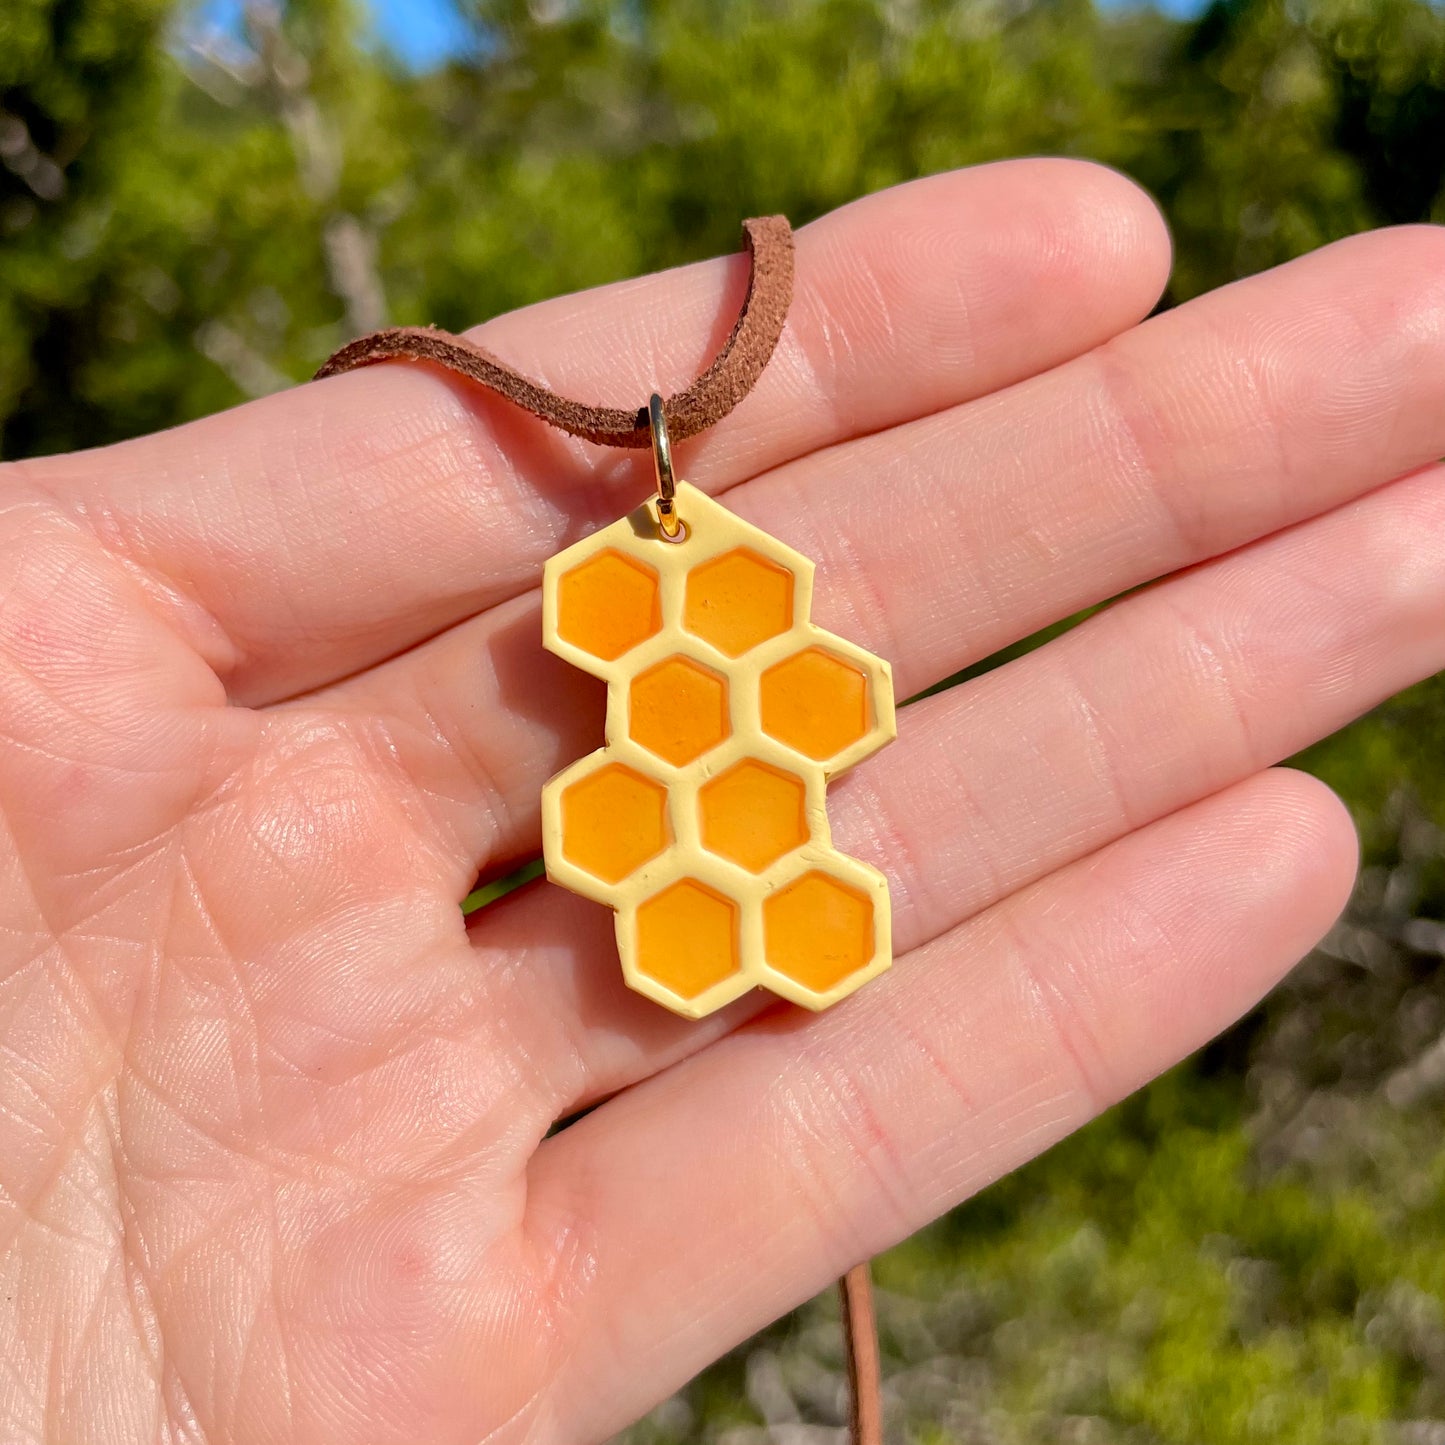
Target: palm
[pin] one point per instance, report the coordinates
(272, 1120)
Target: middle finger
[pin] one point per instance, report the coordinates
(1241, 413)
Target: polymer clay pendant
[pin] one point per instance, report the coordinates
(703, 820)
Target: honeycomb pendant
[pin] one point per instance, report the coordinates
(703, 821)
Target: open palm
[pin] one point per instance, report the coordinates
(273, 1153)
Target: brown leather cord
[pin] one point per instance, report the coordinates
(860, 1345)
(769, 242)
(727, 380)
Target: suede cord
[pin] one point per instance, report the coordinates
(732, 373)
(729, 378)
(860, 1350)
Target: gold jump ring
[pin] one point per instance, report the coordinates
(662, 465)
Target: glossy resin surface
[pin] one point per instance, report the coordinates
(703, 820)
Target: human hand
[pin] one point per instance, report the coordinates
(272, 1119)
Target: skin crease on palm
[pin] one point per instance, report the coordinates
(273, 1155)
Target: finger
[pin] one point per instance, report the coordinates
(112, 728)
(804, 1145)
(1151, 706)
(1013, 511)
(327, 527)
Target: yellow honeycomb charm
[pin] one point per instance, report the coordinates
(703, 821)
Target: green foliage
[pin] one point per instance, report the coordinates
(1249, 1250)
(78, 84)
(1209, 1305)
(228, 211)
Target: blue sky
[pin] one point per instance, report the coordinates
(425, 32)
(421, 32)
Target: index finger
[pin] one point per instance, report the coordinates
(316, 532)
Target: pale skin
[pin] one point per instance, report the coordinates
(273, 1164)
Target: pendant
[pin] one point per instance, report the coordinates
(703, 820)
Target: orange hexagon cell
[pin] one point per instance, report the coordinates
(687, 938)
(815, 702)
(738, 600)
(818, 930)
(613, 821)
(608, 604)
(678, 710)
(753, 814)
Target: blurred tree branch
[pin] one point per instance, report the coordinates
(350, 245)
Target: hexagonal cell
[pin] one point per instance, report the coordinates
(815, 702)
(818, 930)
(608, 604)
(738, 600)
(687, 937)
(678, 710)
(613, 821)
(753, 814)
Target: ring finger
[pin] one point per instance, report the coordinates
(1166, 698)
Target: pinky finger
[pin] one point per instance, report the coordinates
(735, 1185)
